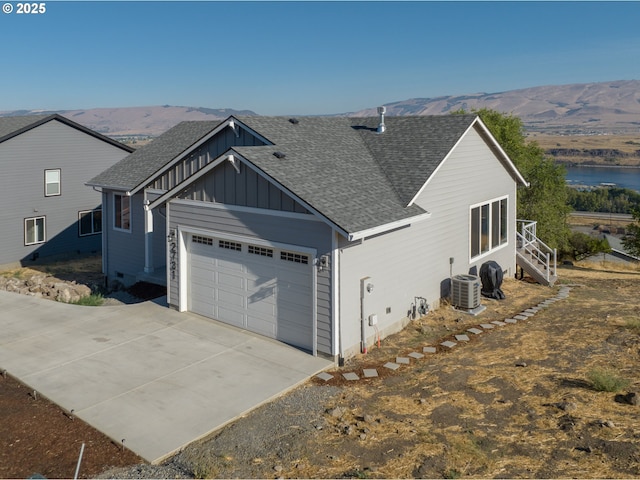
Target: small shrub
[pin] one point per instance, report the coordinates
(633, 324)
(606, 380)
(93, 300)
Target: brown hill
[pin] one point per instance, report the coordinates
(591, 108)
(138, 121)
(605, 107)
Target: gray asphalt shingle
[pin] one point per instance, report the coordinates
(134, 169)
(340, 166)
(9, 126)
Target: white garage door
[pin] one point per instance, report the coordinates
(262, 289)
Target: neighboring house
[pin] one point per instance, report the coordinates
(299, 228)
(45, 161)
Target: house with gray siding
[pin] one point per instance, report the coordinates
(45, 161)
(319, 232)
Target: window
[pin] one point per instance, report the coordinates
(230, 245)
(90, 222)
(34, 230)
(202, 240)
(264, 252)
(52, 183)
(294, 257)
(489, 226)
(122, 212)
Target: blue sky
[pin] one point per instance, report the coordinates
(280, 58)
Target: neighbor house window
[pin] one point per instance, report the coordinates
(90, 222)
(52, 183)
(122, 212)
(34, 230)
(489, 226)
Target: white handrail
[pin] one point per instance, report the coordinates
(529, 241)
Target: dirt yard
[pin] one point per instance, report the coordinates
(515, 402)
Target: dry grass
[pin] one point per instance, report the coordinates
(472, 412)
(624, 143)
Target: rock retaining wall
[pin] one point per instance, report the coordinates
(45, 286)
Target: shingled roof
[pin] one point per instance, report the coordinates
(340, 167)
(134, 169)
(16, 125)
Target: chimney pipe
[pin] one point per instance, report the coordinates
(381, 126)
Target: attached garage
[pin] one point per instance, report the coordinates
(265, 289)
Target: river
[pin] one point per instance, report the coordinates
(623, 177)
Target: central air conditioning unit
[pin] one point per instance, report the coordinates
(465, 291)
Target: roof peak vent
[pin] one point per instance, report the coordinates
(381, 127)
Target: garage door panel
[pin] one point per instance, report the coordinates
(264, 293)
(230, 297)
(261, 326)
(230, 316)
(231, 280)
(231, 265)
(266, 306)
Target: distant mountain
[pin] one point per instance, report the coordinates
(605, 107)
(137, 121)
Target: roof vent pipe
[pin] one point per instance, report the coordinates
(381, 126)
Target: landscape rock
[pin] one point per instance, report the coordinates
(631, 398)
(46, 287)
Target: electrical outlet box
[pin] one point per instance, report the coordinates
(373, 320)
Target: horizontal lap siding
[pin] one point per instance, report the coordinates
(125, 250)
(23, 160)
(414, 261)
(311, 234)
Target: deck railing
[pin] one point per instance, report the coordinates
(536, 248)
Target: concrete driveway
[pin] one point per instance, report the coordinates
(145, 373)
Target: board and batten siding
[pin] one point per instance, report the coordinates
(247, 188)
(23, 161)
(202, 156)
(414, 261)
(207, 217)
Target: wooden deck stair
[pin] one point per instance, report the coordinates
(534, 257)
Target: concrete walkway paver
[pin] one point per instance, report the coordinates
(155, 377)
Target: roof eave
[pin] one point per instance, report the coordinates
(514, 170)
(387, 227)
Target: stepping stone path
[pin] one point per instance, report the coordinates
(524, 315)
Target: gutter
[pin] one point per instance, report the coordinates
(405, 222)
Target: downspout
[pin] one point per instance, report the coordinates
(335, 282)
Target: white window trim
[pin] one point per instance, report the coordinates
(82, 212)
(491, 249)
(59, 182)
(44, 230)
(120, 229)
